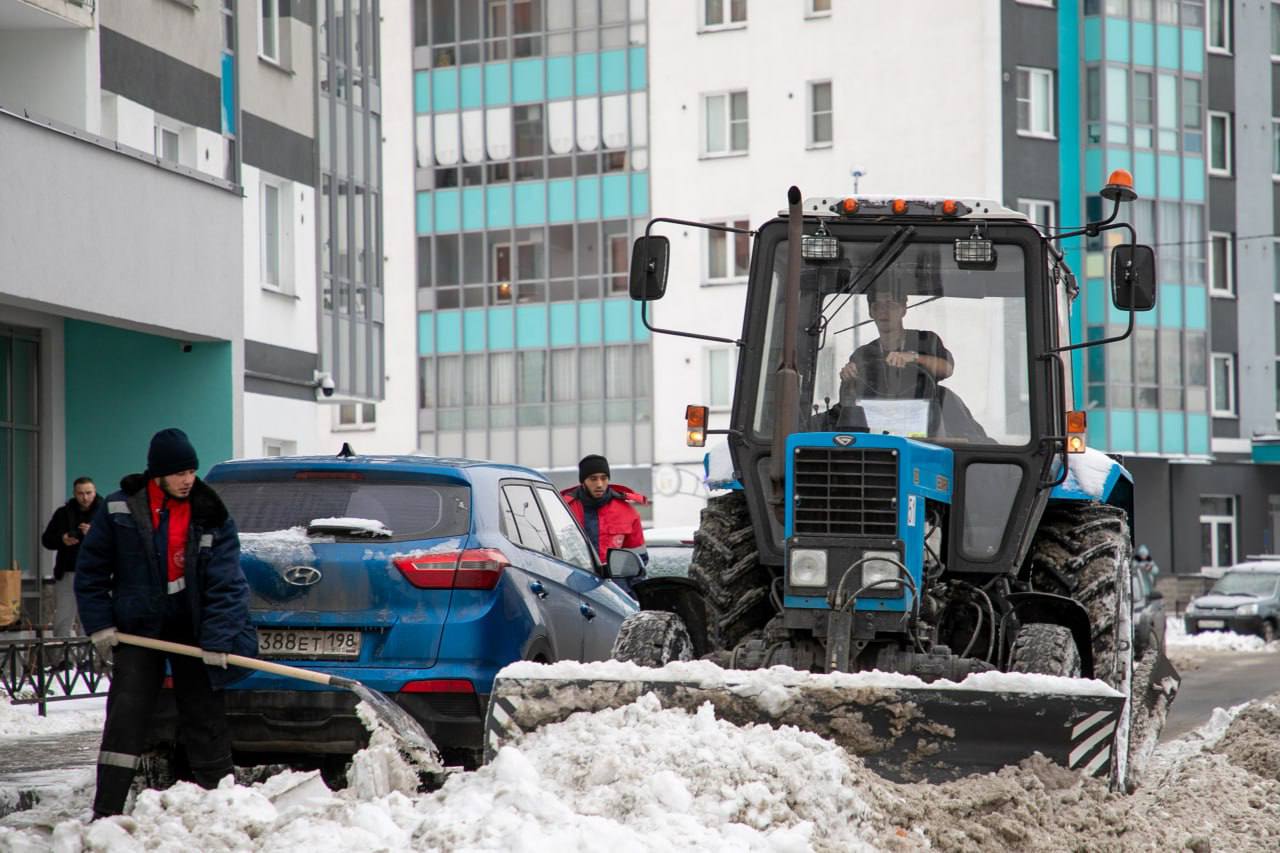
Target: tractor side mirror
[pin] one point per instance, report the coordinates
(650, 257)
(625, 563)
(1133, 277)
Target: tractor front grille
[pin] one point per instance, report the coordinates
(848, 491)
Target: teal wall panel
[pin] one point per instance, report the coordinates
(472, 88)
(560, 200)
(531, 203)
(639, 68)
(426, 333)
(617, 321)
(1144, 180)
(1169, 304)
(1144, 44)
(639, 193)
(1196, 298)
(586, 74)
(564, 324)
(473, 322)
(559, 77)
(501, 328)
(590, 322)
(588, 198)
(613, 71)
(1193, 50)
(1117, 40)
(1197, 433)
(639, 332)
(1097, 434)
(1172, 434)
(448, 211)
(1170, 179)
(617, 200)
(1119, 158)
(422, 91)
(497, 206)
(1148, 431)
(1092, 39)
(1093, 168)
(531, 326)
(1095, 301)
(448, 331)
(1167, 43)
(1193, 178)
(424, 213)
(527, 81)
(124, 386)
(1122, 423)
(444, 89)
(473, 208)
(497, 84)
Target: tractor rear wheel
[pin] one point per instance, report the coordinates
(652, 638)
(727, 565)
(1046, 649)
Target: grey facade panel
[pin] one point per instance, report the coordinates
(1222, 205)
(1224, 336)
(1222, 84)
(1028, 37)
(1275, 202)
(156, 80)
(272, 388)
(1226, 428)
(279, 361)
(300, 10)
(1275, 88)
(1251, 484)
(278, 150)
(1152, 524)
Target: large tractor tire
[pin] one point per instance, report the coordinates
(727, 565)
(652, 638)
(1046, 649)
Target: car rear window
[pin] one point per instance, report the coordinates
(410, 510)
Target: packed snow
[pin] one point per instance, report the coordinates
(1088, 472)
(1177, 639)
(287, 547)
(19, 721)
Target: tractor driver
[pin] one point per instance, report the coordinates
(897, 347)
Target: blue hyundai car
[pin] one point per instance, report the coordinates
(420, 577)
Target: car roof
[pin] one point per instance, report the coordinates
(454, 467)
(1256, 566)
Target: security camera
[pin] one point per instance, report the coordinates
(324, 382)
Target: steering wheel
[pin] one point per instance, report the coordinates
(882, 381)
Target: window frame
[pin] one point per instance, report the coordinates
(1275, 142)
(360, 424)
(731, 237)
(811, 12)
(1230, 360)
(1028, 206)
(1227, 122)
(811, 115)
(280, 444)
(1030, 132)
(726, 8)
(1047, 4)
(1230, 291)
(162, 126)
(1209, 46)
(1273, 20)
(729, 150)
(279, 285)
(1214, 520)
(274, 19)
(709, 380)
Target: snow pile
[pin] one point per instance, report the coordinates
(356, 525)
(289, 547)
(1177, 638)
(1088, 472)
(18, 721)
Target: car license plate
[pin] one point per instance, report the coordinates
(275, 643)
(1212, 623)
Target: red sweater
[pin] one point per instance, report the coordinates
(619, 523)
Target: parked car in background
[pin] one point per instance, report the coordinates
(1246, 599)
(670, 551)
(1148, 614)
(419, 577)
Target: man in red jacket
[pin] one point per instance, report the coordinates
(604, 509)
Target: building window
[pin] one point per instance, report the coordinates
(1275, 31)
(269, 31)
(1035, 102)
(1040, 213)
(1275, 147)
(1221, 272)
(724, 14)
(1219, 143)
(1273, 525)
(1217, 531)
(817, 8)
(1218, 32)
(728, 254)
(721, 364)
(1048, 4)
(1277, 401)
(1143, 109)
(270, 239)
(820, 117)
(167, 144)
(1275, 268)
(355, 416)
(1222, 383)
(279, 447)
(1192, 116)
(725, 127)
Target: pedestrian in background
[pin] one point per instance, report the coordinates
(605, 511)
(64, 533)
(163, 561)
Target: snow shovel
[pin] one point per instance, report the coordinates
(399, 722)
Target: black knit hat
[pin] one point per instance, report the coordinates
(592, 464)
(171, 451)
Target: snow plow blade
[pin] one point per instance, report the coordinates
(901, 727)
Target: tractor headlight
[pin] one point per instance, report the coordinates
(808, 567)
(1248, 609)
(878, 566)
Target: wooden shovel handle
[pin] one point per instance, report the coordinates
(232, 660)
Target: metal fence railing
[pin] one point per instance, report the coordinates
(37, 670)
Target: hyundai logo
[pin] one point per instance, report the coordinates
(302, 575)
(843, 440)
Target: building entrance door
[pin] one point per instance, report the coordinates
(19, 475)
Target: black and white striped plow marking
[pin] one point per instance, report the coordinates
(1091, 743)
(502, 727)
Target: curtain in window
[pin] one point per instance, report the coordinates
(639, 119)
(564, 374)
(613, 118)
(498, 133)
(590, 375)
(588, 110)
(618, 383)
(424, 153)
(446, 136)
(474, 380)
(560, 126)
(473, 136)
(449, 387)
(533, 377)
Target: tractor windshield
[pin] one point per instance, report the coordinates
(899, 339)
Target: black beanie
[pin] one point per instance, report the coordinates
(171, 451)
(593, 464)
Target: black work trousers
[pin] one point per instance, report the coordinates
(202, 724)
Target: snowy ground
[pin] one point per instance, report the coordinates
(1191, 651)
(647, 778)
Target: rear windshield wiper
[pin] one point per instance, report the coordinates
(361, 528)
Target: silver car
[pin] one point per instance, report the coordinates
(1246, 599)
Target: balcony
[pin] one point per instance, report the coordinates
(46, 14)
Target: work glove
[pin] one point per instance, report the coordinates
(218, 659)
(103, 641)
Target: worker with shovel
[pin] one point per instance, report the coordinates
(163, 561)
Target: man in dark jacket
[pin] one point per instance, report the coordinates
(605, 510)
(163, 561)
(63, 534)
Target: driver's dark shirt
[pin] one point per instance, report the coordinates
(913, 340)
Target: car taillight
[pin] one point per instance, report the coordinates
(474, 568)
(439, 685)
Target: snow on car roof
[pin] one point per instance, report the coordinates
(669, 535)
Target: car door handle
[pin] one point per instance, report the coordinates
(587, 612)
(538, 589)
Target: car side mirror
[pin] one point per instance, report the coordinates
(625, 563)
(1133, 277)
(650, 260)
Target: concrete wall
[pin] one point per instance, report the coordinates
(192, 33)
(283, 93)
(53, 73)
